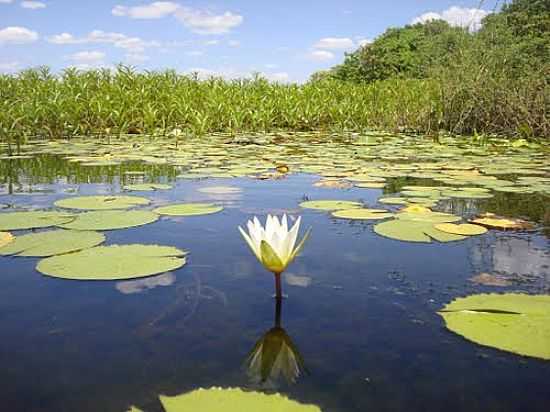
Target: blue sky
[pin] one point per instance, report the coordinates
(285, 40)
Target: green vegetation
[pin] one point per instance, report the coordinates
(426, 78)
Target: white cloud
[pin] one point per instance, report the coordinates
(88, 57)
(234, 43)
(9, 67)
(6, 1)
(204, 22)
(321, 55)
(194, 53)
(335, 43)
(212, 42)
(17, 35)
(198, 21)
(279, 77)
(33, 5)
(133, 44)
(136, 57)
(155, 10)
(456, 16)
(271, 66)
(363, 42)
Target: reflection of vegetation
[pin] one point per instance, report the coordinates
(275, 355)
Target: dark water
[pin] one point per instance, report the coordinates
(366, 324)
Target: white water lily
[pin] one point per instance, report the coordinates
(274, 244)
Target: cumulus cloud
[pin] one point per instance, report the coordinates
(88, 57)
(155, 10)
(363, 42)
(321, 55)
(9, 67)
(6, 1)
(17, 35)
(335, 43)
(133, 44)
(33, 5)
(234, 43)
(198, 21)
(456, 16)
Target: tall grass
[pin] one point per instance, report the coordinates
(37, 103)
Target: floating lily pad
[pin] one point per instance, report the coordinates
(188, 209)
(393, 200)
(362, 214)
(5, 238)
(111, 219)
(113, 262)
(511, 322)
(330, 204)
(102, 202)
(373, 185)
(333, 184)
(465, 229)
(54, 242)
(147, 187)
(413, 231)
(233, 400)
(220, 190)
(502, 223)
(33, 219)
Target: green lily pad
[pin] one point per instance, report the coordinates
(33, 219)
(147, 187)
(372, 185)
(362, 214)
(330, 204)
(413, 231)
(393, 201)
(465, 229)
(233, 400)
(188, 209)
(5, 238)
(510, 322)
(102, 202)
(111, 219)
(54, 242)
(113, 262)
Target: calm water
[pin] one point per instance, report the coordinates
(361, 308)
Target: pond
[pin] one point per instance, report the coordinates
(361, 308)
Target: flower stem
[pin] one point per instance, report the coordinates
(278, 289)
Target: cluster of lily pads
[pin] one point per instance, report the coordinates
(74, 250)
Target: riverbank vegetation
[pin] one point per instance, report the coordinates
(426, 78)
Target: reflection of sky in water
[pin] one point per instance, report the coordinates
(366, 323)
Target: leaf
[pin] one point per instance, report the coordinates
(465, 229)
(330, 204)
(114, 262)
(362, 214)
(512, 322)
(102, 202)
(111, 220)
(5, 238)
(33, 220)
(188, 209)
(53, 242)
(233, 400)
(413, 231)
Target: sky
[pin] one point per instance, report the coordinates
(284, 40)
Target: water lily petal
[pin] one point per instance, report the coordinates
(251, 243)
(270, 259)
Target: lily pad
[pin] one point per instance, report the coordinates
(220, 190)
(53, 242)
(496, 222)
(5, 238)
(465, 229)
(188, 209)
(362, 214)
(512, 322)
(33, 219)
(330, 204)
(147, 187)
(111, 219)
(233, 400)
(113, 262)
(413, 231)
(102, 202)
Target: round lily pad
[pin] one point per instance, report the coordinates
(362, 214)
(113, 262)
(465, 229)
(233, 400)
(373, 185)
(330, 204)
(102, 202)
(188, 209)
(5, 238)
(502, 223)
(147, 187)
(220, 190)
(111, 219)
(32, 220)
(393, 200)
(512, 322)
(413, 231)
(53, 242)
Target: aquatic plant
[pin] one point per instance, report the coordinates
(274, 244)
